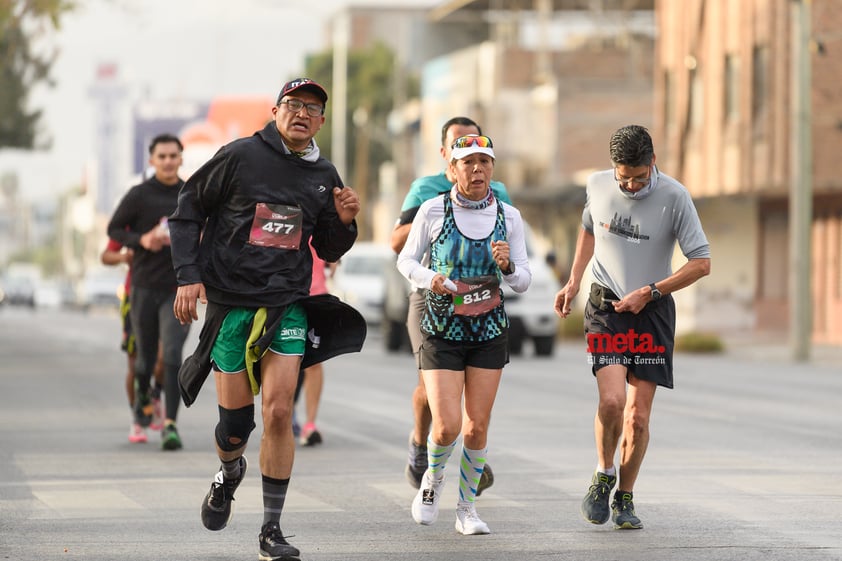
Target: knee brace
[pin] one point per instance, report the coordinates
(235, 424)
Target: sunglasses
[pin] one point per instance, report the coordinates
(473, 140)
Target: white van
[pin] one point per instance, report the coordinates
(360, 279)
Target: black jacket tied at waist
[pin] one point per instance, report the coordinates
(333, 328)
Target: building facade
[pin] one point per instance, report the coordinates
(724, 125)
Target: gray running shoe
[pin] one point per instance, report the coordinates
(595, 504)
(417, 463)
(622, 512)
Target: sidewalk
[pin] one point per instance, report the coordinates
(776, 346)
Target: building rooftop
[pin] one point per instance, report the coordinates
(451, 7)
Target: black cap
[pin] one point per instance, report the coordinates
(302, 84)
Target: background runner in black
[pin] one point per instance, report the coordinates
(140, 222)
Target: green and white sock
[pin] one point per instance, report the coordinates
(470, 471)
(437, 456)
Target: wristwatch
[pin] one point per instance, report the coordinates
(656, 294)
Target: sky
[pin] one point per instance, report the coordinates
(171, 50)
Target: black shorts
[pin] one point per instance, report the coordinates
(642, 342)
(443, 354)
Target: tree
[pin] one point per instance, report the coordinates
(371, 86)
(25, 62)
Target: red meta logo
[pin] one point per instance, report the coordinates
(633, 342)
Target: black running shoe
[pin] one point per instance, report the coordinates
(622, 512)
(595, 504)
(486, 480)
(273, 546)
(216, 508)
(169, 438)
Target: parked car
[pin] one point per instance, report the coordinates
(49, 294)
(102, 287)
(19, 291)
(19, 282)
(531, 314)
(360, 278)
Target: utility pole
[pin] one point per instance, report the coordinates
(801, 188)
(339, 95)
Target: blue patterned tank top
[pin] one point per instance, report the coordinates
(457, 256)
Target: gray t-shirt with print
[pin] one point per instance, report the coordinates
(635, 238)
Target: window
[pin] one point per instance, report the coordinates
(732, 97)
(669, 102)
(696, 99)
(773, 282)
(759, 87)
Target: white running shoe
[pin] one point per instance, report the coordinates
(137, 434)
(468, 522)
(425, 505)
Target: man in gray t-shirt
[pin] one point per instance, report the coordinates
(633, 217)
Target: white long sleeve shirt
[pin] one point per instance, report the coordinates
(475, 224)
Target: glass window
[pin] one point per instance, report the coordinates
(759, 87)
(697, 98)
(732, 77)
(669, 101)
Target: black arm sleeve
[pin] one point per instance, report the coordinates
(408, 216)
(202, 192)
(332, 238)
(119, 228)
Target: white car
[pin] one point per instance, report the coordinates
(102, 287)
(360, 278)
(531, 313)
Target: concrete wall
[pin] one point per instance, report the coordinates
(723, 99)
(724, 300)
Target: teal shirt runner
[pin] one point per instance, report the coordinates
(456, 256)
(429, 186)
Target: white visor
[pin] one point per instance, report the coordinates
(459, 153)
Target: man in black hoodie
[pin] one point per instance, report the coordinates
(140, 223)
(239, 238)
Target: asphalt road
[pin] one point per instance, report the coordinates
(744, 462)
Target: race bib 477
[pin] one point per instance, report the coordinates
(276, 225)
